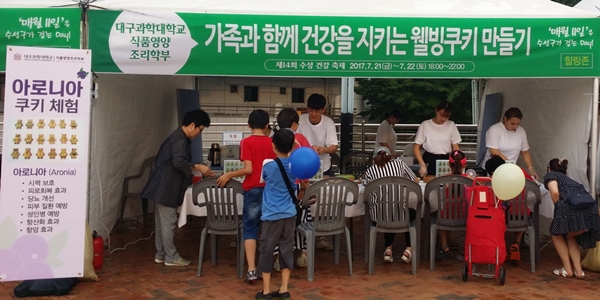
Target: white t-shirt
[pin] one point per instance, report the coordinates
(322, 134)
(437, 139)
(386, 134)
(509, 143)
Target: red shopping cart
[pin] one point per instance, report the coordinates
(486, 225)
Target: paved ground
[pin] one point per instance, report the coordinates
(132, 274)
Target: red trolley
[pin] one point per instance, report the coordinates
(486, 225)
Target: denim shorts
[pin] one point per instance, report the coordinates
(252, 212)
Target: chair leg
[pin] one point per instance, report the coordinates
(352, 233)
(372, 235)
(532, 248)
(201, 252)
(336, 249)
(432, 238)
(121, 211)
(213, 248)
(367, 232)
(349, 249)
(241, 254)
(414, 240)
(144, 211)
(310, 246)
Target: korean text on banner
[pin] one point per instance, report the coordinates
(297, 46)
(39, 27)
(45, 165)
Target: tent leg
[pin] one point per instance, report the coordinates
(594, 146)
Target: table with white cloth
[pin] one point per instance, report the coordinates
(546, 208)
(189, 208)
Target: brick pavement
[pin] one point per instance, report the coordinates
(132, 274)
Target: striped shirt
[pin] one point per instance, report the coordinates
(392, 168)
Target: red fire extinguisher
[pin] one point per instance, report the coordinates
(98, 251)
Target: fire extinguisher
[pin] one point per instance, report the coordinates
(98, 251)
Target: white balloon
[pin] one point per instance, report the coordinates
(508, 181)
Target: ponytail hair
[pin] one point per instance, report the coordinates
(558, 165)
(457, 161)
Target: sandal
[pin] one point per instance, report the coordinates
(443, 252)
(515, 254)
(387, 256)
(582, 277)
(563, 273)
(407, 256)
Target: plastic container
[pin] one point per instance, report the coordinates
(197, 176)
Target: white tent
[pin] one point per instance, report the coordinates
(135, 112)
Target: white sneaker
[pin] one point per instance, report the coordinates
(301, 260)
(323, 243)
(181, 262)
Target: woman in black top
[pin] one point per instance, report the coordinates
(571, 227)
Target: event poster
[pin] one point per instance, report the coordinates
(45, 163)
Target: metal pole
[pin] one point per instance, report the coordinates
(347, 115)
(474, 100)
(362, 133)
(594, 147)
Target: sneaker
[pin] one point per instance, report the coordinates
(281, 296)
(323, 243)
(276, 265)
(301, 260)
(159, 260)
(260, 295)
(178, 263)
(252, 277)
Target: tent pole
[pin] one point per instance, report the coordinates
(594, 146)
(347, 115)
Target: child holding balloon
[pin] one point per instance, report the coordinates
(288, 119)
(278, 217)
(491, 165)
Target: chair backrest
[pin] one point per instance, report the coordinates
(391, 202)
(452, 194)
(516, 215)
(148, 163)
(220, 202)
(357, 163)
(333, 194)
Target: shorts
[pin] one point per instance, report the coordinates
(272, 233)
(252, 212)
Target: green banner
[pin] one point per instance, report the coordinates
(297, 46)
(40, 27)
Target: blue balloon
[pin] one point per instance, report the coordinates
(304, 162)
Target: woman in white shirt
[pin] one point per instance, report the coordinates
(386, 136)
(438, 136)
(509, 140)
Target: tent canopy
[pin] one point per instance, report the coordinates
(388, 8)
(150, 99)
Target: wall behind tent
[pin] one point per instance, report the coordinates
(131, 117)
(216, 90)
(556, 117)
